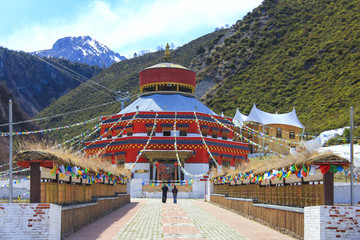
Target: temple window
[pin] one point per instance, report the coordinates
(183, 133)
(129, 134)
(214, 135)
(279, 133)
(292, 135)
(109, 134)
(149, 132)
(225, 133)
(204, 134)
(225, 163)
(166, 133)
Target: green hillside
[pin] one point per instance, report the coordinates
(291, 53)
(34, 83)
(286, 53)
(123, 76)
(18, 115)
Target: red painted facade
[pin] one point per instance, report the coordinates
(222, 150)
(167, 75)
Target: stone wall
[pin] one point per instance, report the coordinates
(332, 222)
(30, 221)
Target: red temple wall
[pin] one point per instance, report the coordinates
(175, 75)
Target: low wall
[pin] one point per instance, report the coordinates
(4, 193)
(30, 221)
(74, 217)
(332, 222)
(138, 190)
(342, 193)
(62, 193)
(288, 219)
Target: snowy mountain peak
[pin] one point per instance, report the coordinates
(82, 49)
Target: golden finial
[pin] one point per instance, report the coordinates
(167, 53)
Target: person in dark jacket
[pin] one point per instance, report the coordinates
(165, 189)
(175, 192)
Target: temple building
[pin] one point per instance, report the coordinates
(278, 132)
(142, 135)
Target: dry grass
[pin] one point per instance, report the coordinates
(260, 165)
(52, 151)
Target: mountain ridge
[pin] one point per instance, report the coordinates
(82, 49)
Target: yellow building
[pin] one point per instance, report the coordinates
(278, 132)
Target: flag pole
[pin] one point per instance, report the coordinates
(352, 155)
(10, 151)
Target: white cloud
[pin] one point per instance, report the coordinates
(118, 26)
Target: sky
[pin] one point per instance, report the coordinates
(124, 26)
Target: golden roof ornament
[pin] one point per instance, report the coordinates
(167, 53)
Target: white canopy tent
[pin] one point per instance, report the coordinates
(264, 118)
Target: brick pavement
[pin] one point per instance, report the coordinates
(189, 219)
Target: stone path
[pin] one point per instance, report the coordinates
(189, 219)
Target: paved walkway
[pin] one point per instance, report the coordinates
(189, 219)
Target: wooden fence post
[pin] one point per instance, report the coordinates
(35, 181)
(328, 188)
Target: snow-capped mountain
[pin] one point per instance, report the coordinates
(82, 49)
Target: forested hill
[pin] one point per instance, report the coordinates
(34, 83)
(284, 54)
(290, 53)
(18, 115)
(122, 76)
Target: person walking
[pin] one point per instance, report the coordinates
(175, 192)
(165, 189)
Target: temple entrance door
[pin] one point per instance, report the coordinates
(166, 170)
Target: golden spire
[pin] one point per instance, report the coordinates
(167, 53)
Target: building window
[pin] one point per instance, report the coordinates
(292, 135)
(224, 137)
(279, 133)
(204, 134)
(109, 136)
(129, 134)
(225, 163)
(149, 132)
(183, 133)
(166, 133)
(214, 135)
(267, 132)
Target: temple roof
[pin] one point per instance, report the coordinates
(167, 103)
(167, 65)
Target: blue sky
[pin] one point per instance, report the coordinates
(125, 26)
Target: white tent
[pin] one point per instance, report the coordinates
(264, 118)
(239, 118)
